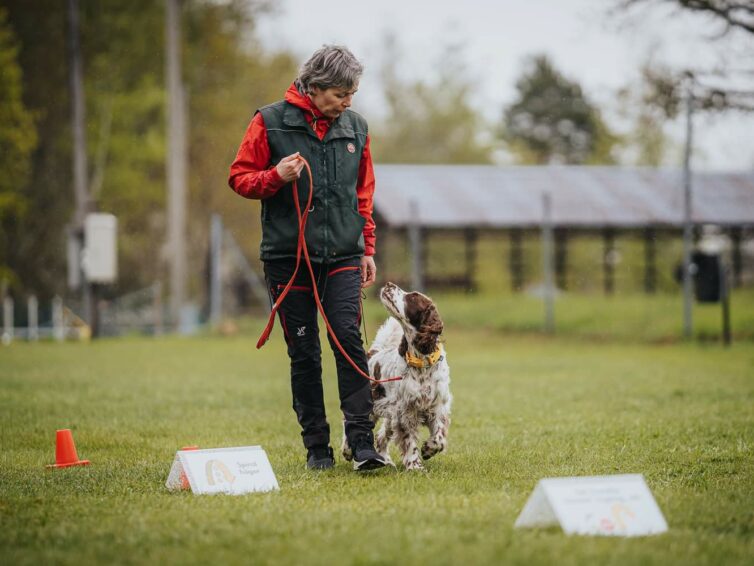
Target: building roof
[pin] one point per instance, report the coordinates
(488, 196)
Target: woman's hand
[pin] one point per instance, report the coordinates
(368, 271)
(289, 168)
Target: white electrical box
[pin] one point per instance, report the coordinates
(100, 257)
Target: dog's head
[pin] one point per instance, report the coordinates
(418, 316)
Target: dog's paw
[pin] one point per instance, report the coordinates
(414, 466)
(345, 450)
(429, 449)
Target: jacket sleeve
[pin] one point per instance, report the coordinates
(365, 196)
(251, 174)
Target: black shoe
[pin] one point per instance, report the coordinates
(365, 457)
(320, 458)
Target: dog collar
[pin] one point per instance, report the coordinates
(423, 362)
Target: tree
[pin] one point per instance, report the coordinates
(429, 122)
(552, 121)
(712, 90)
(646, 144)
(730, 14)
(227, 75)
(17, 140)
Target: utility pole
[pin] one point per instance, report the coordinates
(177, 162)
(687, 222)
(80, 167)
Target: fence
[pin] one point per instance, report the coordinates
(62, 323)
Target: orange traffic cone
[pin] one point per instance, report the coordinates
(65, 451)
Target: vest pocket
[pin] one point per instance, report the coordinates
(280, 231)
(346, 231)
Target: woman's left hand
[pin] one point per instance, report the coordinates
(368, 271)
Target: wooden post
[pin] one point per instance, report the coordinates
(561, 257)
(470, 238)
(548, 263)
(32, 309)
(417, 252)
(516, 259)
(79, 154)
(736, 235)
(380, 257)
(608, 260)
(157, 307)
(688, 225)
(215, 278)
(58, 324)
(650, 261)
(7, 320)
(725, 302)
(177, 160)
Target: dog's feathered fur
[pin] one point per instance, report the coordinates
(423, 396)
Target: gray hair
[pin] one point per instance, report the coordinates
(330, 66)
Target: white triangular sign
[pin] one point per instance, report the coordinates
(177, 479)
(233, 471)
(537, 512)
(598, 505)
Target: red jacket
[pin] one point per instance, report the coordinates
(252, 175)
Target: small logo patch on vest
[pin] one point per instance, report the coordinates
(351, 148)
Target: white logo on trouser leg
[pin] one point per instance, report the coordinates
(301, 330)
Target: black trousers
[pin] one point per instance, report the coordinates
(339, 287)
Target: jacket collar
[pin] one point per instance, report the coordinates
(300, 105)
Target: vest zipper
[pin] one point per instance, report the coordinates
(325, 250)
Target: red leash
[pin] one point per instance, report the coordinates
(302, 247)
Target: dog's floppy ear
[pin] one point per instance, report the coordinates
(403, 348)
(429, 330)
(431, 321)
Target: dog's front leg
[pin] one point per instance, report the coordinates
(438, 434)
(383, 439)
(345, 448)
(407, 437)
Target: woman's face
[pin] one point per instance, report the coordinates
(333, 101)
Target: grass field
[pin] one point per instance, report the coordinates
(526, 407)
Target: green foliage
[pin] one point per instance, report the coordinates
(552, 121)
(429, 122)
(17, 140)
(524, 409)
(227, 76)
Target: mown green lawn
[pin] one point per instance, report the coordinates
(526, 407)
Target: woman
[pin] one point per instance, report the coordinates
(314, 122)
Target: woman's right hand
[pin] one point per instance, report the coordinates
(289, 168)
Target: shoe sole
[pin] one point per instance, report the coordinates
(327, 465)
(367, 465)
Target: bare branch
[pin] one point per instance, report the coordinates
(734, 14)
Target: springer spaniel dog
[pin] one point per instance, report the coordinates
(408, 345)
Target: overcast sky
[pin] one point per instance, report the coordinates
(602, 51)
